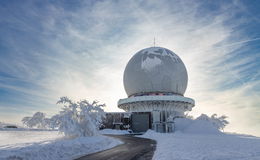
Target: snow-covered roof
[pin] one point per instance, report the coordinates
(155, 69)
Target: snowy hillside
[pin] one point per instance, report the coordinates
(181, 146)
(25, 138)
(200, 139)
(51, 145)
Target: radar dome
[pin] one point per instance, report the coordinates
(155, 70)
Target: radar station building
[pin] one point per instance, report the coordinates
(155, 80)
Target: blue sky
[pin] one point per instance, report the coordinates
(79, 49)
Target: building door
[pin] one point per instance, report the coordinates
(140, 122)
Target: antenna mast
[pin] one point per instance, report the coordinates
(154, 42)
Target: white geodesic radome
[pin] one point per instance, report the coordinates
(155, 78)
(155, 69)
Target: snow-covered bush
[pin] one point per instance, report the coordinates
(218, 122)
(39, 121)
(26, 120)
(54, 122)
(202, 124)
(76, 118)
(36, 121)
(80, 118)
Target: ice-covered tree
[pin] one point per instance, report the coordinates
(54, 122)
(25, 121)
(80, 118)
(203, 124)
(218, 122)
(36, 121)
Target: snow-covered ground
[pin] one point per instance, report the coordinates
(49, 145)
(194, 146)
(23, 138)
(200, 139)
(192, 140)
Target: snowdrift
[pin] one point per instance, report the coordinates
(190, 146)
(196, 126)
(49, 145)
